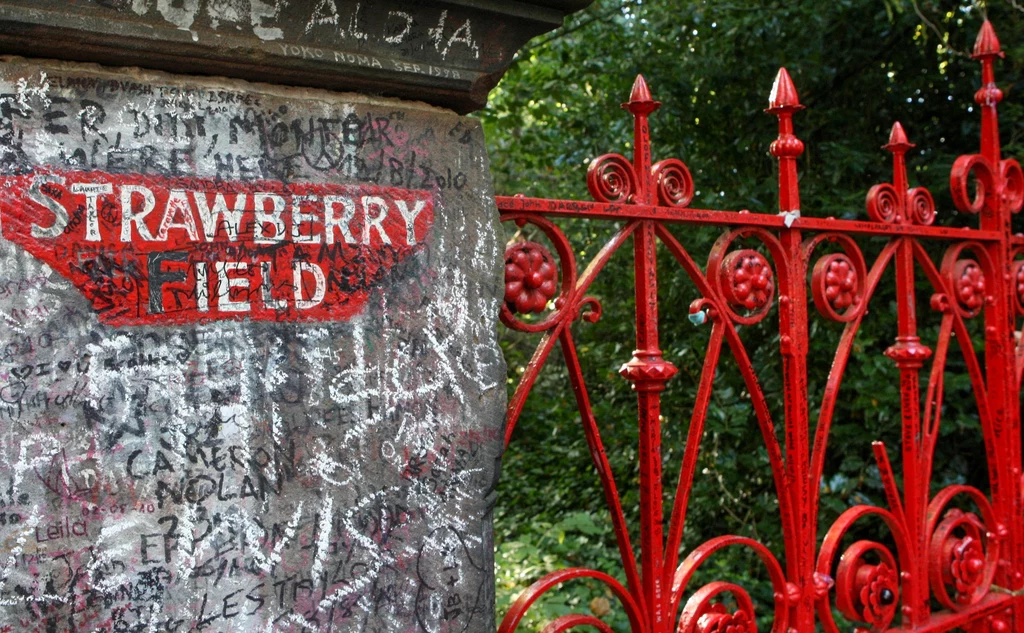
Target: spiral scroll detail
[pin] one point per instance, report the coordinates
(703, 614)
(964, 168)
(1013, 184)
(610, 178)
(921, 206)
(959, 560)
(883, 204)
(964, 548)
(674, 183)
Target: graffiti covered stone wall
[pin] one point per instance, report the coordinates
(249, 378)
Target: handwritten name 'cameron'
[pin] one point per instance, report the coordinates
(147, 249)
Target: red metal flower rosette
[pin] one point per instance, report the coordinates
(868, 591)
(969, 286)
(963, 553)
(966, 267)
(748, 281)
(718, 619)
(838, 279)
(531, 277)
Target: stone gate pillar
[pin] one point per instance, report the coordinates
(249, 378)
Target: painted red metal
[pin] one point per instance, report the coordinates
(969, 563)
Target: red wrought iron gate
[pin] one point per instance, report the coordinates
(970, 563)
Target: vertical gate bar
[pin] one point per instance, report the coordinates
(649, 402)
(648, 371)
(1000, 351)
(910, 354)
(783, 103)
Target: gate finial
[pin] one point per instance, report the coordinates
(987, 44)
(783, 94)
(986, 49)
(640, 101)
(783, 102)
(640, 105)
(898, 146)
(897, 139)
(897, 202)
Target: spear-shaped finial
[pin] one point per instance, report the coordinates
(986, 49)
(897, 140)
(783, 102)
(640, 105)
(987, 44)
(640, 101)
(783, 94)
(898, 146)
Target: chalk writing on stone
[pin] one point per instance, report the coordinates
(257, 457)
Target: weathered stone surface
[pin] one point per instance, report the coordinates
(445, 52)
(216, 472)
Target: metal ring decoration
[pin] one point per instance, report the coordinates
(836, 287)
(1013, 184)
(920, 206)
(959, 182)
(531, 277)
(967, 267)
(673, 182)
(968, 283)
(963, 553)
(883, 204)
(701, 615)
(526, 599)
(529, 260)
(747, 283)
(611, 178)
(744, 278)
(868, 591)
(838, 279)
(747, 280)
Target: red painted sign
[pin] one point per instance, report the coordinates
(158, 250)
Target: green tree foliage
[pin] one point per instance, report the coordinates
(859, 65)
